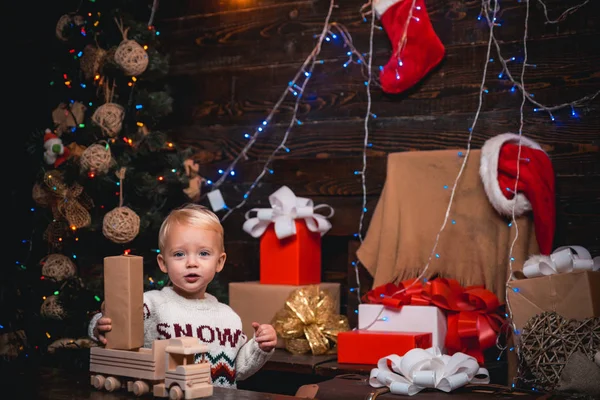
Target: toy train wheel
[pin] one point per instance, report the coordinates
(98, 381)
(140, 388)
(175, 393)
(111, 384)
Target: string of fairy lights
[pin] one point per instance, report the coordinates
(490, 16)
(326, 34)
(489, 13)
(331, 32)
(72, 82)
(524, 97)
(335, 32)
(363, 171)
(297, 91)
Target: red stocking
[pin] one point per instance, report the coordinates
(416, 47)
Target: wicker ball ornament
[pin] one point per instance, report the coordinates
(51, 308)
(58, 267)
(131, 57)
(96, 159)
(548, 340)
(121, 225)
(62, 23)
(66, 20)
(109, 117)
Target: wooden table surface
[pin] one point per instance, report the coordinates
(53, 384)
(284, 361)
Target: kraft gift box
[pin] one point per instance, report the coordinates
(124, 301)
(573, 295)
(426, 319)
(255, 302)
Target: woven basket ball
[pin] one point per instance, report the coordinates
(121, 225)
(131, 57)
(58, 267)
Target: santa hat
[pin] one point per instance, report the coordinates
(50, 156)
(535, 187)
(50, 139)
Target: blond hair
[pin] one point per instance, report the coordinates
(190, 214)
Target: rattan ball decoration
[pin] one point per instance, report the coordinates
(61, 24)
(131, 57)
(121, 225)
(548, 340)
(51, 308)
(92, 60)
(58, 267)
(109, 117)
(96, 159)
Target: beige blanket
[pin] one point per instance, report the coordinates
(473, 247)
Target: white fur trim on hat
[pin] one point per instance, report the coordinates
(381, 6)
(488, 170)
(50, 157)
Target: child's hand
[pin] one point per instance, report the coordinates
(265, 336)
(103, 325)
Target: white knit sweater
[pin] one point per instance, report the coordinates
(231, 355)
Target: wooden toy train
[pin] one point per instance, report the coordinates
(168, 369)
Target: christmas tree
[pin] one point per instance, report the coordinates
(105, 170)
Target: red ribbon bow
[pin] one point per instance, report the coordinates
(473, 318)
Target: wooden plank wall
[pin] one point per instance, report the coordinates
(231, 60)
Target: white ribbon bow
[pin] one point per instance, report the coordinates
(563, 259)
(285, 208)
(419, 369)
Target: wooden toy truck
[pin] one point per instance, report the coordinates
(166, 370)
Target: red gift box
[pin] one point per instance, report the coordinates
(295, 260)
(368, 347)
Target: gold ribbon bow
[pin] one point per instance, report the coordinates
(68, 202)
(309, 322)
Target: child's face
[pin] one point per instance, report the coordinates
(192, 256)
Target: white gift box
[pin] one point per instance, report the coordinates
(422, 319)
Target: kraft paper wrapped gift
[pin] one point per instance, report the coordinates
(424, 319)
(573, 295)
(256, 302)
(124, 301)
